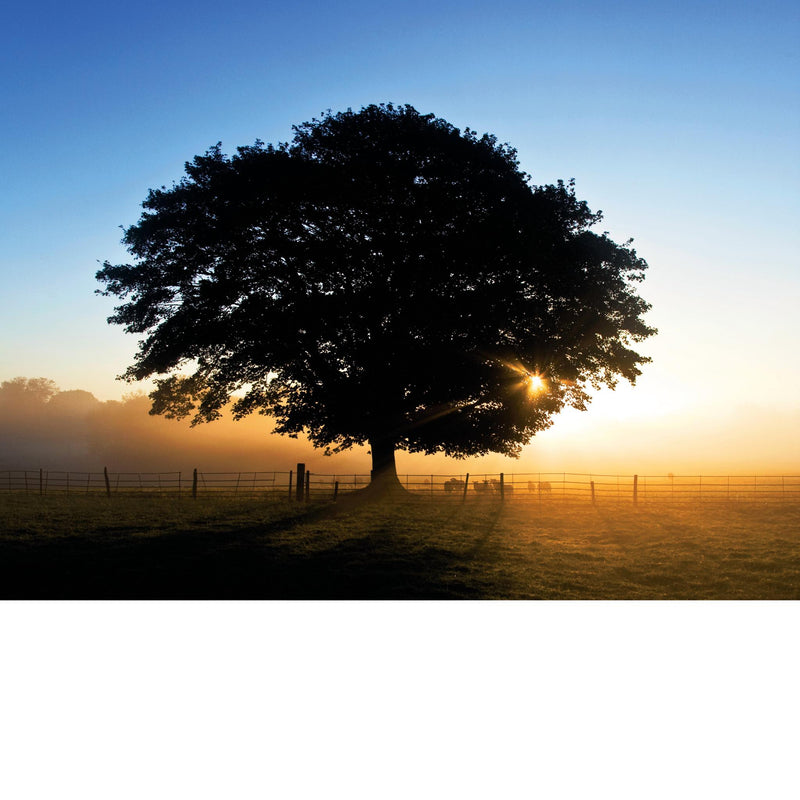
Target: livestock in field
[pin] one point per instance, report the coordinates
(540, 487)
(453, 485)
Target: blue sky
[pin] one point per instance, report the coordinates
(680, 121)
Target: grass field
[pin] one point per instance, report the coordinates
(89, 547)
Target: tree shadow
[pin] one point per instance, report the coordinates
(384, 558)
(486, 533)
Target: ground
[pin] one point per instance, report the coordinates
(93, 547)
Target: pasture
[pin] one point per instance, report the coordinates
(162, 547)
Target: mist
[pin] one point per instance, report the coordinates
(42, 426)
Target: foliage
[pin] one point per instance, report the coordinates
(383, 278)
(26, 392)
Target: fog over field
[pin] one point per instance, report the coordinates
(43, 426)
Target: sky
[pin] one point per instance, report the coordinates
(680, 121)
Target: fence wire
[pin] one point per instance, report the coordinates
(540, 486)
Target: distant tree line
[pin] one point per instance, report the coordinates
(44, 426)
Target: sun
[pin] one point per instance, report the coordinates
(532, 382)
(536, 384)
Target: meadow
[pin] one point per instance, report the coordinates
(163, 547)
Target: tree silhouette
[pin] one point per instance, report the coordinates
(384, 278)
(30, 393)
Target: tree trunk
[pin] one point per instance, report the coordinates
(384, 470)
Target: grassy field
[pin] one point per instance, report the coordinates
(90, 547)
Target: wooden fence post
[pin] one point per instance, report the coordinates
(502, 487)
(466, 484)
(308, 486)
(108, 485)
(335, 490)
(194, 484)
(591, 483)
(636, 490)
(301, 482)
(291, 475)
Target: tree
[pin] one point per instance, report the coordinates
(384, 278)
(28, 393)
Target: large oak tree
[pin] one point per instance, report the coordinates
(384, 278)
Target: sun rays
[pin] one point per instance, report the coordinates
(533, 382)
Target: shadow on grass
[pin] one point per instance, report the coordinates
(376, 557)
(140, 548)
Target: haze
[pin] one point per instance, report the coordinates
(73, 430)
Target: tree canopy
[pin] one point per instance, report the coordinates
(383, 278)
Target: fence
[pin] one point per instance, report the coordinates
(300, 484)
